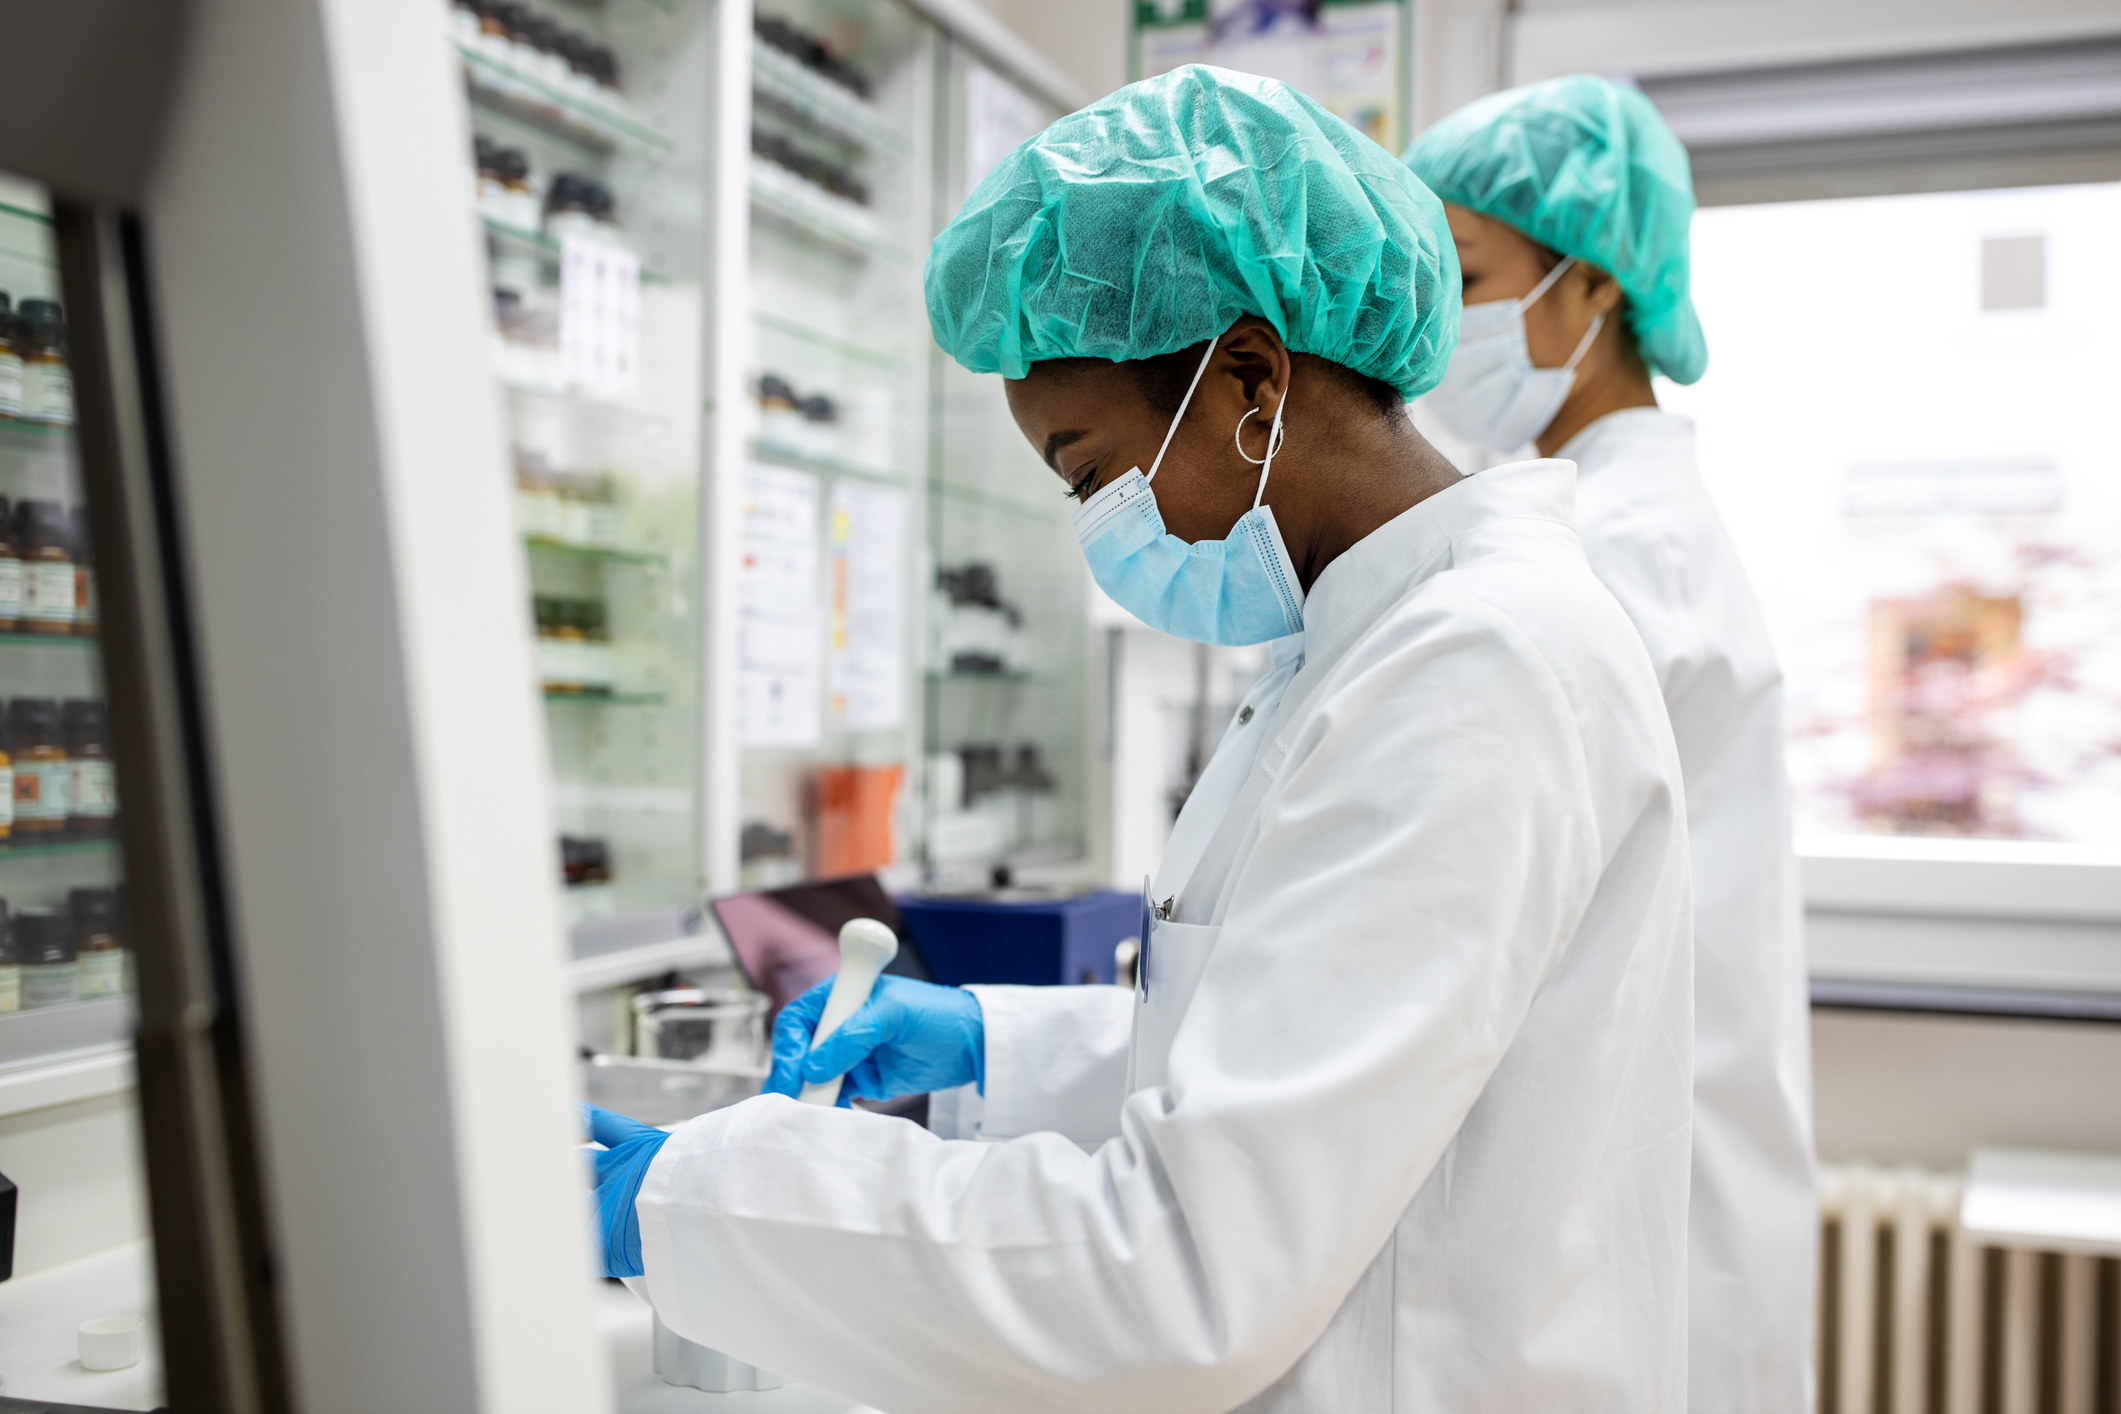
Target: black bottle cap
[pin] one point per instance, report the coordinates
(42, 938)
(32, 719)
(46, 520)
(92, 911)
(84, 718)
(44, 315)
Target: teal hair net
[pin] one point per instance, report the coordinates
(1588, 168)
(1155, 218)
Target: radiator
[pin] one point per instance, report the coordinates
(1916, 1318)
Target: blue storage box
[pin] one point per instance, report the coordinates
(1027, 941)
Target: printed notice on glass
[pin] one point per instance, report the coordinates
(778, 629)
(998, 116)
(600, 317)
(867, 665)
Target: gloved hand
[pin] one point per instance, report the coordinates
(909, 1038)
(629, 1147)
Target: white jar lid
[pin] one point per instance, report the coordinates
(110, 1342)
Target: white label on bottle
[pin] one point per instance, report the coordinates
(50, 984)
(102, 973)
(7, 796)
(95, 787)
(10, 587)
(48, 392)
(10, 385)
(42, 790)
(10, 987)
(50, 597)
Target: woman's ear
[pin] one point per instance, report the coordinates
(1258, 360)
(1601, 292)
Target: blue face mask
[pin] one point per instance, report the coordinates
(1239, 589)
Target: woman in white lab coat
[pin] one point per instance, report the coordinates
(1569, 201)
(1398, 1116)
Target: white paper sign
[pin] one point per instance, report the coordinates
(778, 623)
(998, 116)
(600, 316)
(867, 665)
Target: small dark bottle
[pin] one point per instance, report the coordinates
(43, 777)
(43, 537)
(92, 797)
(99, 958)
(50, 976)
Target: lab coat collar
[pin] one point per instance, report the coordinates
(1627, 431)
(1384, 566)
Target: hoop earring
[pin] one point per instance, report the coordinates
(1275, 438)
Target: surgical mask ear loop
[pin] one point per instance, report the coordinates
(1544, 285)
(1597, 321)
(1584, 347)
(1183, 404)
(1275, 434)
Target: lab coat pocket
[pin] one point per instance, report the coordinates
(1172, 963)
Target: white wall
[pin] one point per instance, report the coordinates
(77, 1169)
(1086, 39)
(1926, 1089)
(1549, 37)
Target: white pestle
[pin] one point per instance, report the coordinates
(866, 949)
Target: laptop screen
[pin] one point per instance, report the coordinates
(787, 940)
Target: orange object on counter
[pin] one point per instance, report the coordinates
(854, 808)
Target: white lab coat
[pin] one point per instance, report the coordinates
(1653, 537)
(1409, 1127)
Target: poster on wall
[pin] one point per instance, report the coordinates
(1350, 55)
(866, 665)
(778, 630)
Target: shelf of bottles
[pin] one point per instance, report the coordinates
(839, 210)
(1005, 680)
(588, 142)
(61, 898)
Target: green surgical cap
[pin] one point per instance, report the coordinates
(1155, 218)
(1588, 168)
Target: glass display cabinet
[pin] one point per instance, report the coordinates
(835, 431)
(65, 981)
(762, 514)
(1006, 682)
(590, 148)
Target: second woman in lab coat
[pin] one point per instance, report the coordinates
(1398, 1116)
(1570, 202)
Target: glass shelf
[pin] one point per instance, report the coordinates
(988, 500)
(819, 100)
(13, 848)
(802, 461)
(545, 246)
(830, 343)
(1013, 676)
(49, 640)
(562, 115)
(605, 699)
(831, 220)
(31, 427)
(597, 552)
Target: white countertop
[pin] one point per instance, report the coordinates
(40, 1312)
(629, 1330)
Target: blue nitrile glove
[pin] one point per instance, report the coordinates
(629, 1147)
(909, 1038)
